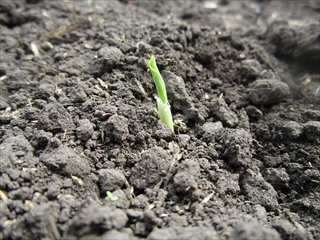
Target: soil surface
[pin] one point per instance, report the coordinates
(84, 155)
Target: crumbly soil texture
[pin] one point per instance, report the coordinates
(84, 155)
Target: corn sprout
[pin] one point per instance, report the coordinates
(162, 99)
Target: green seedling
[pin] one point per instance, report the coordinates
(122, 39)
(100, 21)
(112, 197)
(89, 2)
(162, 99)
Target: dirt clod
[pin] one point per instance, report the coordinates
(183, 233)
(220, 109)
(268, 91)
(247, 231)
(250, 184)
(108, 58)
(16, 151)
(151, 169)
(250, 69)
(94, 217)
(179, 97)
(84, 130)
(110, 179)
(55, 118)
(312, 130)
(237, 142)
(64, 160)
(116, 128)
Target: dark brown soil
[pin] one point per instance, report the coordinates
(78, 119)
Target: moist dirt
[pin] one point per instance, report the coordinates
(79, 120)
